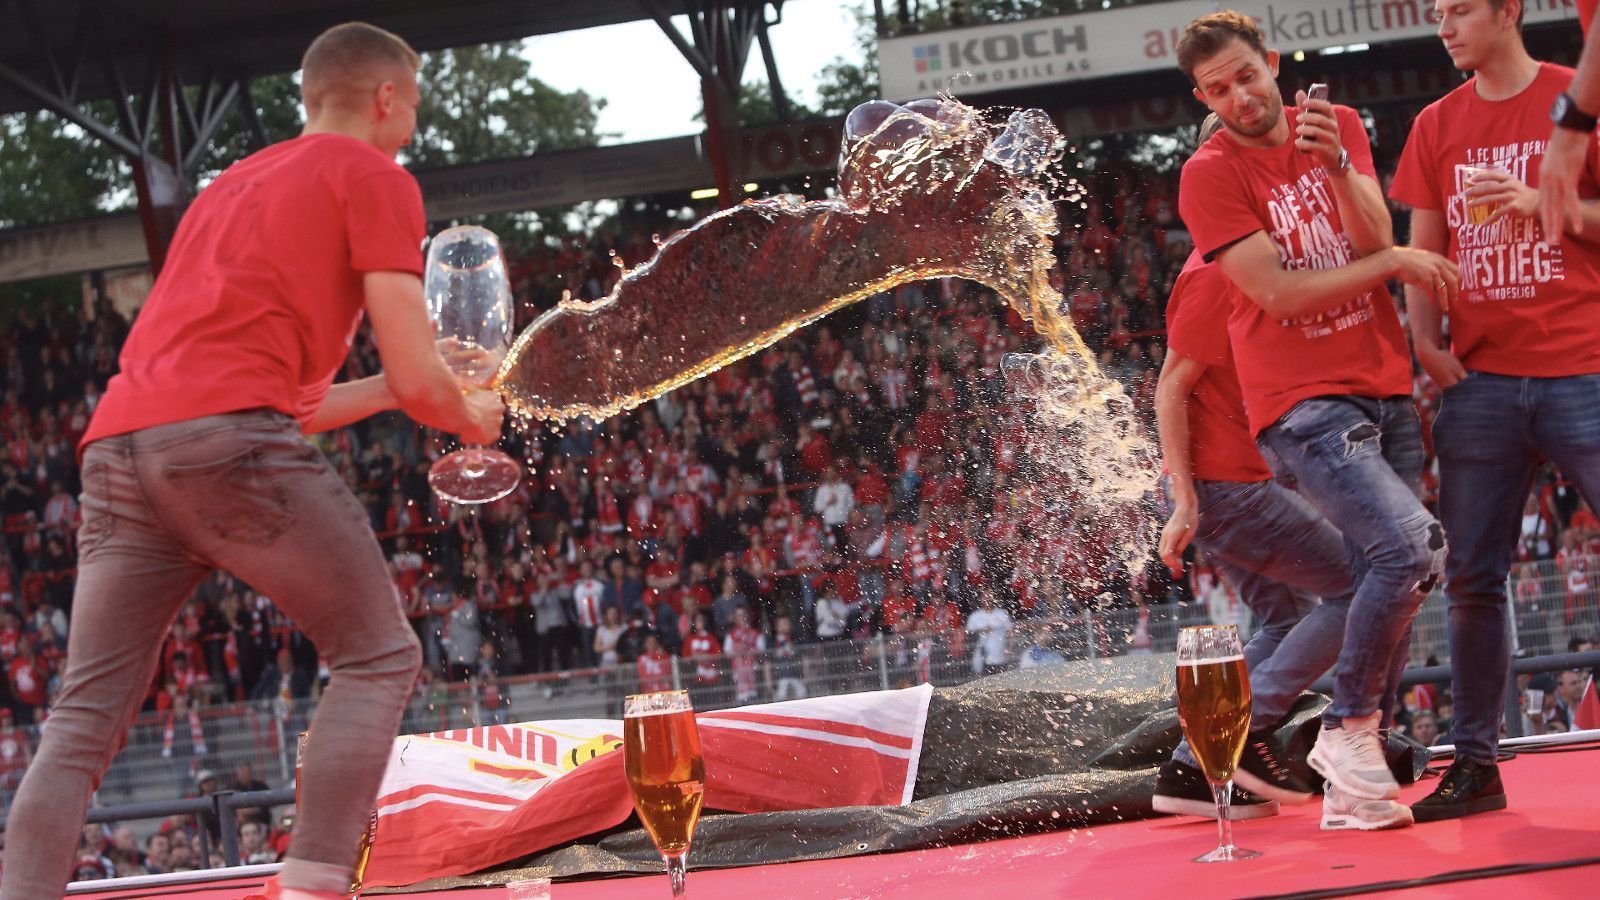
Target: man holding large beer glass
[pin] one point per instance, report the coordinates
(1287, 202)
(196, 457)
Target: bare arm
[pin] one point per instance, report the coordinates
(1361, 207)
(1564, 158)
(413, 370)
(1179, 374)
(351, 401)
(1430, 232)
(1253, 265)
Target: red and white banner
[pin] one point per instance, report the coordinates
(456, 802)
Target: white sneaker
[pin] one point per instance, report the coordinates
(1342, 812)
(1351, 758)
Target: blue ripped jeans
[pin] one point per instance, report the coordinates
(1358, 460)
(1491, 434)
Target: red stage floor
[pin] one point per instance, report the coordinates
(1554, 816)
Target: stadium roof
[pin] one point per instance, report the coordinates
(73, 39)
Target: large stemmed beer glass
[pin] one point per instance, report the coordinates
(1214, 708)
(469, 300)
(661, 754)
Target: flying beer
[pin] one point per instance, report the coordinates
(1214, 709)
(666, 773)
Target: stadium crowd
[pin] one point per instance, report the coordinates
(837, 485)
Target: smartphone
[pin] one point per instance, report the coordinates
(1317, 91)
(1535, 698)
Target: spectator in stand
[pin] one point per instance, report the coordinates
(727, 605)
(832, 615)
(587, 599)
(654, 666)
(606, 638)
(992, 626)
(158, 854)
(743, 645)
(785, 667)
(703, 648)
(833, 502)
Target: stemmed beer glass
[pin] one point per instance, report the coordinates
(1214, 708)
(666, 773)
(469, 300)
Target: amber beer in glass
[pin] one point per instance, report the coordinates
(1478, 213)
(666, 773)
(364, 854)
(1214, 709)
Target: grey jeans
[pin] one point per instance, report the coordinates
(162, 507)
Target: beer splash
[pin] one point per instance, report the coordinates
(926, 190)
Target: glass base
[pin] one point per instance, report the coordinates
(474, 475)
(1228, 853)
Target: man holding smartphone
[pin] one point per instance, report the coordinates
(1287, 202)
(1521, 370)
(1277, 552)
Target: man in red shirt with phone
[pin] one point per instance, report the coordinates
(1521, 370)
(1286, 201)
(196, 458)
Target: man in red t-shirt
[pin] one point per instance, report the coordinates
(1286, 201)
(1521, 371)
(1278, 552)
(196, 457)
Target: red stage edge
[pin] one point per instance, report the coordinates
(1546, 844)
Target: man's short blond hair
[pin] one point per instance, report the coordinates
(350, 60)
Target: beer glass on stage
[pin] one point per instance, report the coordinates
(469, 300)
(661, 755)
(1214, 708)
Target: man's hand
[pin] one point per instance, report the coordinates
(487, 412)
(1317, 132)
(1441, 365)
(1559, 207)
(1497, 186)
(471, 363)
(1437, 276)
(1176, 535)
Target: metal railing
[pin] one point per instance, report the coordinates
(153, 767)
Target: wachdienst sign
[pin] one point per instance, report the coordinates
(1140, 39)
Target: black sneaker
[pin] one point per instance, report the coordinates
(1467, 788)
(1265, 770)
(1183, 791)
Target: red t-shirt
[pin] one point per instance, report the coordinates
(1526, 308)
(1585, 15)
(262, 290)
(1220, 448)
(1229, 192)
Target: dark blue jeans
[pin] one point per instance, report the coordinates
(1490, 435)
(1358, 460)
(1281, 555)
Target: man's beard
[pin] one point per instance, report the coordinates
(1272, 112)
